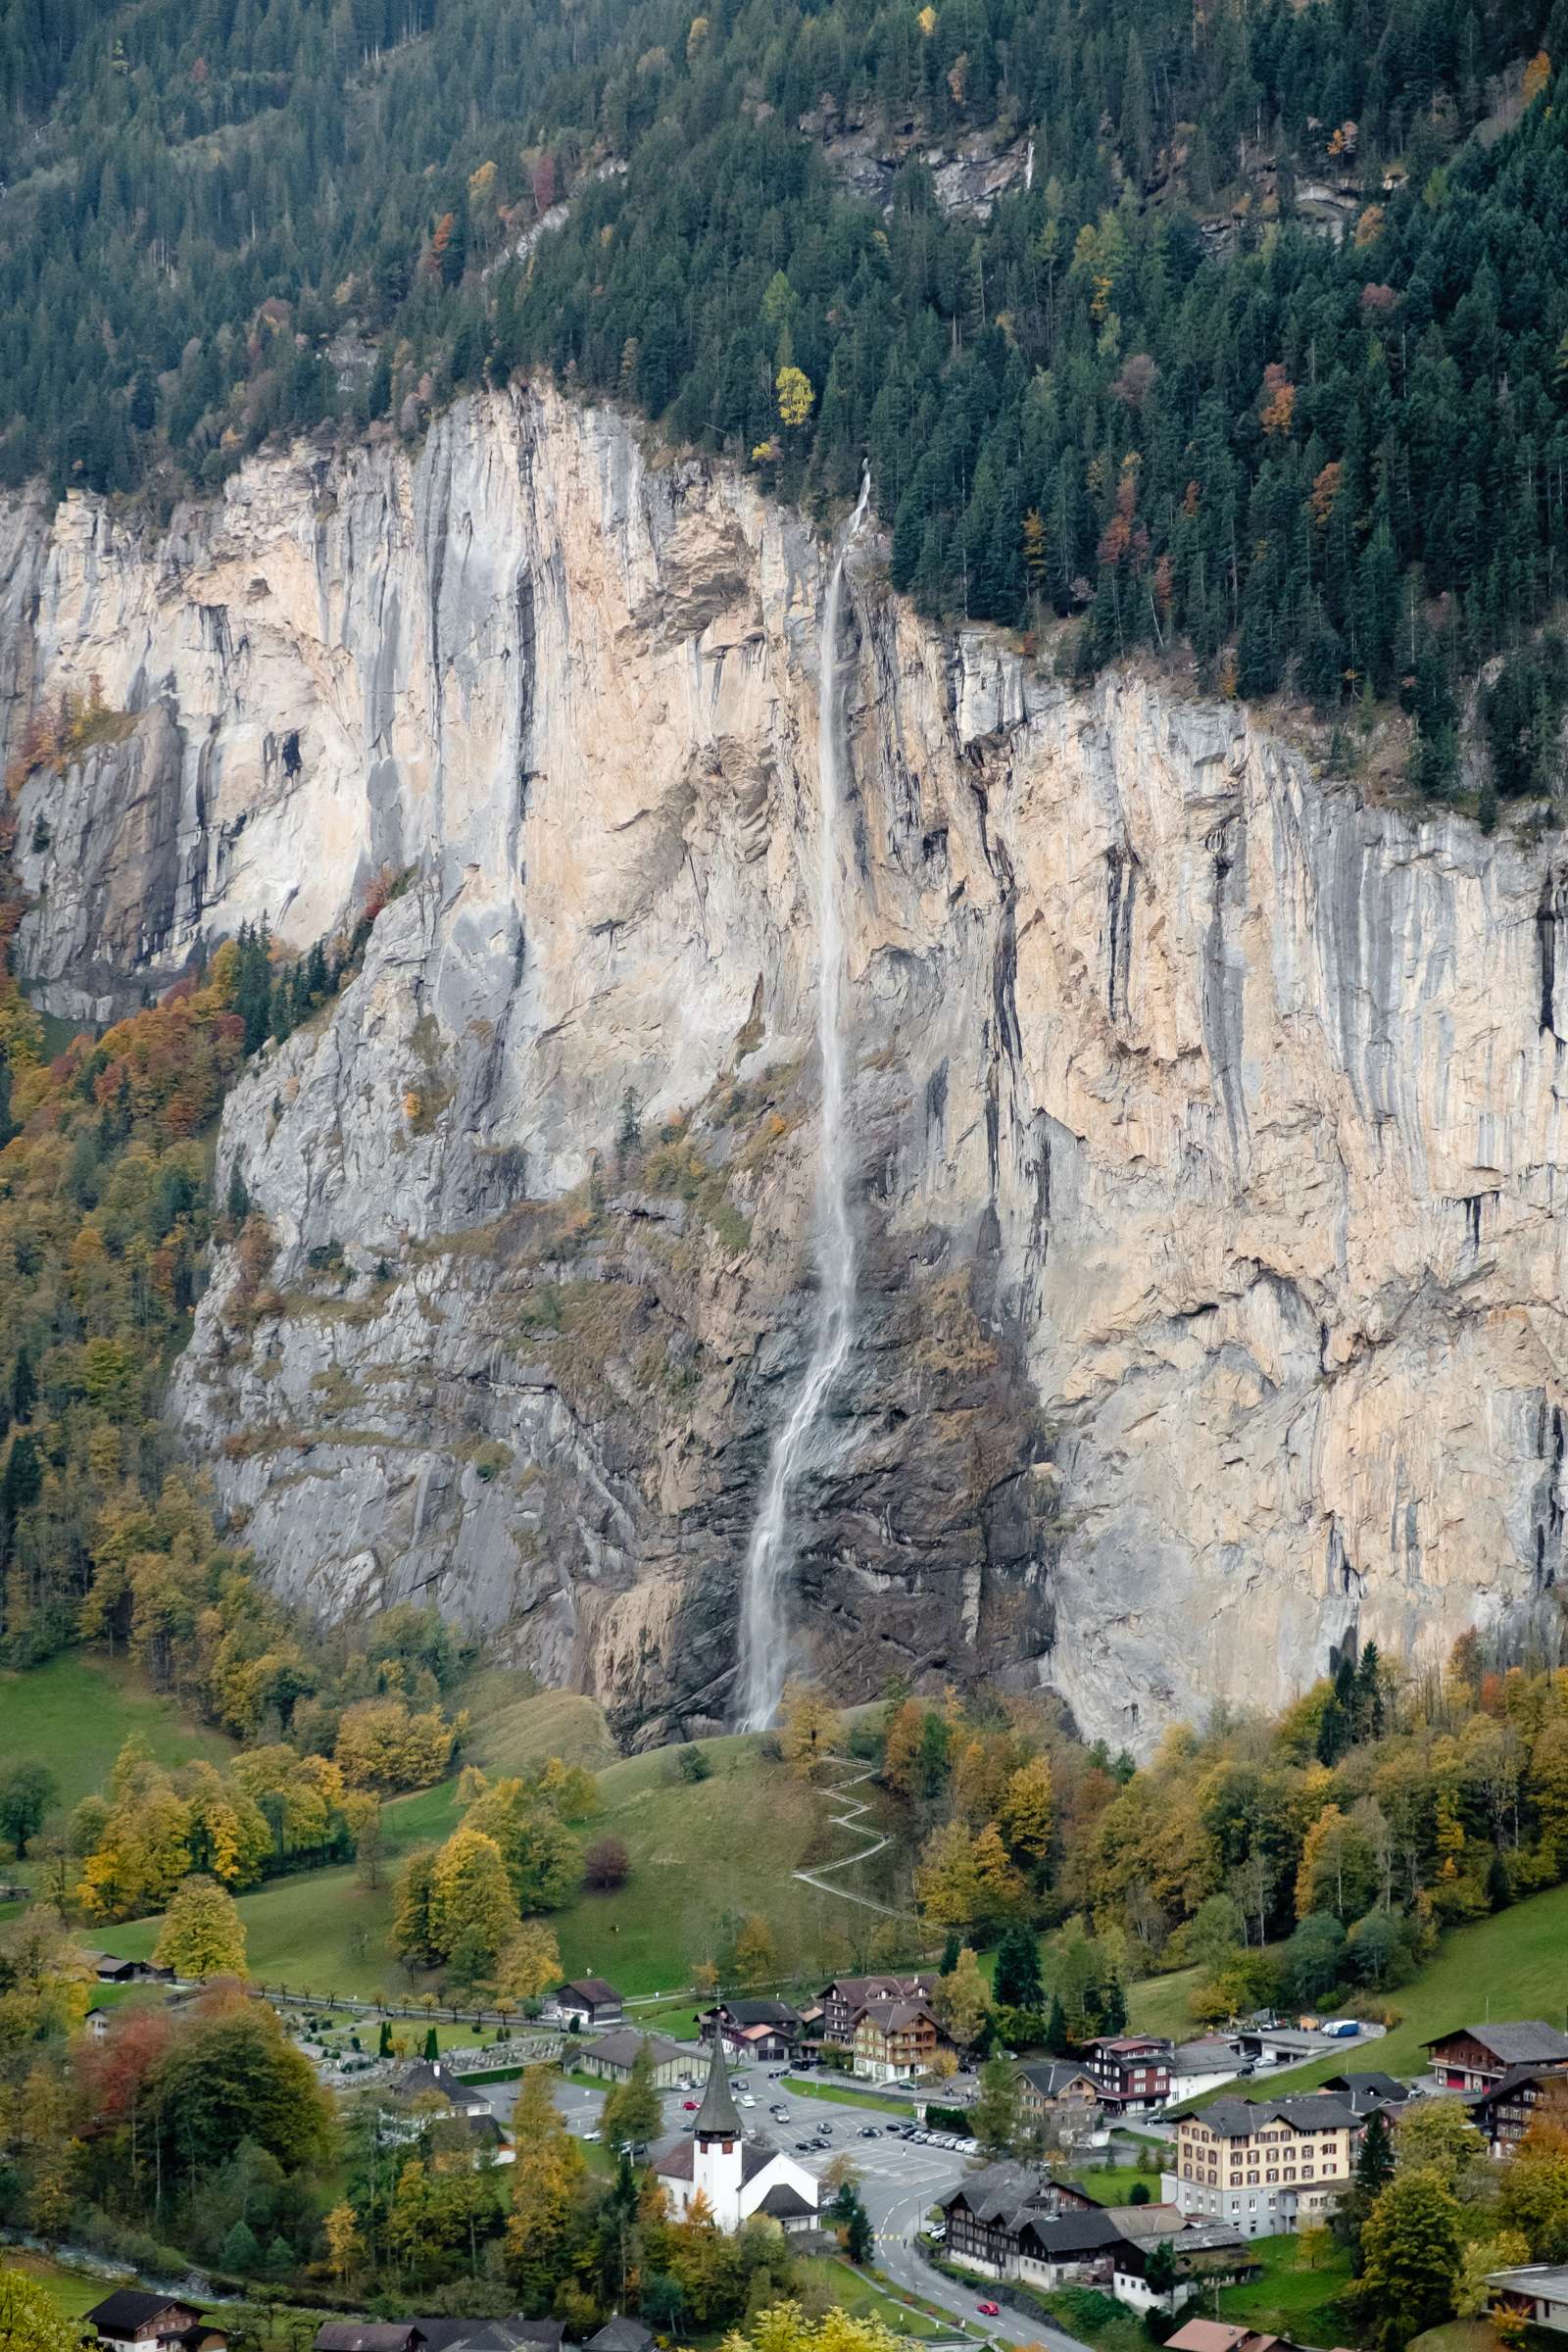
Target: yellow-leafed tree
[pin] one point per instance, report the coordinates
(203, 1933)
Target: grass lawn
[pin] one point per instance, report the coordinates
(846, 2094)
(1112, 2183)
(1290, 2299)
(1459, 2336)
(514, 1726)
(700, 1851)
(1512, 1962)
(1158, 2004)
(861, 2297)
(75, 1714)
(72, 2292)
(677, 2019)
(1094, 2318)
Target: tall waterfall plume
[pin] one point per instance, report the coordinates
(764, 1635)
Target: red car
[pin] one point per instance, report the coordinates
(989, 2311)
(690, 2106)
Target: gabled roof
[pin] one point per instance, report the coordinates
(1147, 2221)
(917, 1988)
(1062, 2235)
(718, 2116)
(620, 2048)
(1368, 2086)
(131, 2307)
(679, 2163)
(996, 2190)
(1219, 2335)
(1237, 2119)
(889, 2017)
(1523, 2042)
(591, 1989)
(1515, 2079)
(1209, 2054)
(488, 2335)
(784, 2203)
(621, 2334)
(759, 2013)
(372, 2335)
(1051, 2076)
(423, 2077)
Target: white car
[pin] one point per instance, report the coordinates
(592, 2136)
(745, 2099)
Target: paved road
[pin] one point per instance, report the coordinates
(898, 2182)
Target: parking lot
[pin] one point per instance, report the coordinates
(891, 2168)
(900, 2180)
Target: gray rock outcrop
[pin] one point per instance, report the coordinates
(1208, 1121)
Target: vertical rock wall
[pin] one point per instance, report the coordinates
(1207, 1121)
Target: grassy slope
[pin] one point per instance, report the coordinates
(72, 2292)
(75, 1713)
(1158, 2004)
(697, 1852)
(1507, 1967)
(511, 1728)
(865, 2299)
(698, 1849)
(1290, 2299)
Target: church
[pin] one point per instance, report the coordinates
(738, 2176)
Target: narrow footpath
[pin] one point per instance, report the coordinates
(850, 1819)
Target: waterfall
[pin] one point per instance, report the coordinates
(765, 1649)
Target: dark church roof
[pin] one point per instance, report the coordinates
(718, 2116)
(784, 2203)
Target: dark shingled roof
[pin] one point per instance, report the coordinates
(1052, 2075)
(760, 2013)
(890, 2015)
(591, 1989)
(621, 2334)
(1062, 2235)
(785, 2203)
(1525, 2042)
(997, 2190)
(421, 2077)
(369, 2335)
(718, 2116)
(679, 2162)
(620, 2048)
(854, 1989)
(1511, 2082)
(490, 2335)
(131, 2307)
(1360, 2087)
(1235, 2119)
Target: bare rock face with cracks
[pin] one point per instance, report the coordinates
(1200, 1126)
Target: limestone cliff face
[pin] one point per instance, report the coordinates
(1208, 1124)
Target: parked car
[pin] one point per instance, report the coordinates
(869, 2131)
(592, 2136)
(804, 2147)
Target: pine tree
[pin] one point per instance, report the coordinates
(1017, 1980)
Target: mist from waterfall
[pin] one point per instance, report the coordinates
(770, 1553)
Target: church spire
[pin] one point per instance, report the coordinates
(718, 2116)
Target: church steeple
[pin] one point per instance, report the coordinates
(718, 2116)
